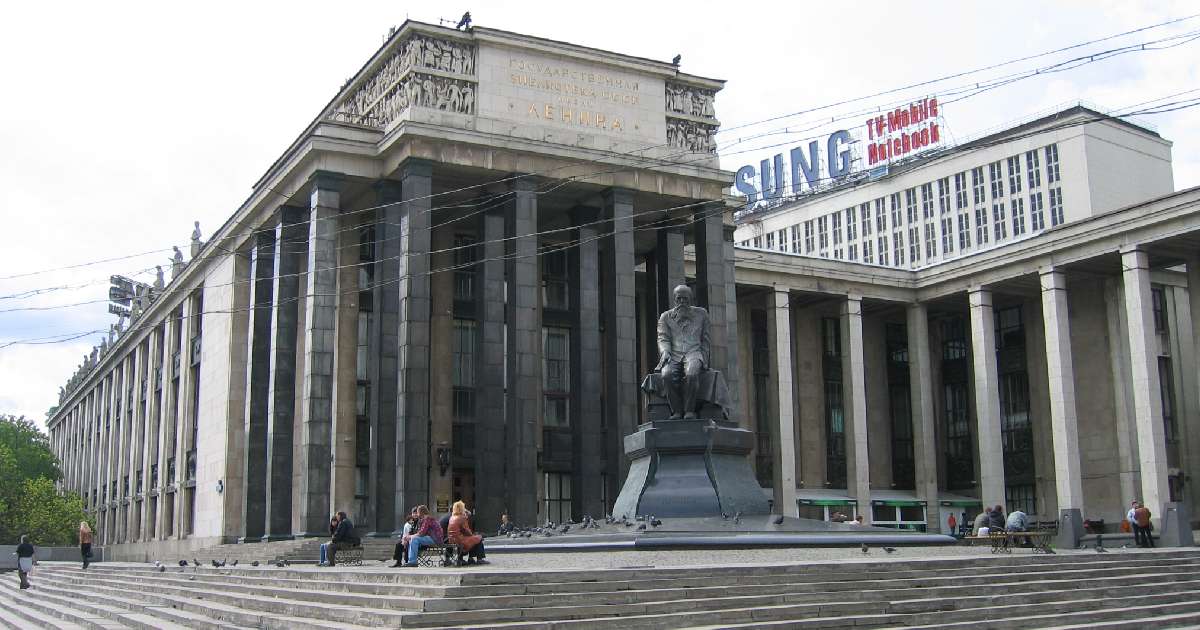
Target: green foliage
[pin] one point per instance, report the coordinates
(30, 447)
(29, 501)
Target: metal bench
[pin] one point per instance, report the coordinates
(1003, 542)
(350, 556)
(442, 555)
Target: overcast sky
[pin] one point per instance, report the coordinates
(124, 122)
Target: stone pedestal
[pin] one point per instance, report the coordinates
(690, 468)
(1070, 528)
(1175, 526)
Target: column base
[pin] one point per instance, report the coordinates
(1176, 526)
(275, 537)
(1070, 528)
(690, 468)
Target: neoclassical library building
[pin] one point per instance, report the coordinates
(447, 288)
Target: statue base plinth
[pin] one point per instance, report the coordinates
(690, 468)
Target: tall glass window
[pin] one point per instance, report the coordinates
(556, 377)
(903, 467)
(555, 295)
(463, 383)
(557, 493)
(835, 418)
(960, 470)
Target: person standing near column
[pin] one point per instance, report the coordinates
(85, 543)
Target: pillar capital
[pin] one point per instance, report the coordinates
(415, 167)
(979, 297)
(327, 180)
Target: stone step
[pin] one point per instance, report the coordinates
(44, 600)
(18, 614)
(242, 609)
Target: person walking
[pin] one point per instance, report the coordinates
(85, 543)
(24, 552)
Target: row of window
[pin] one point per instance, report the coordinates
(920, 212)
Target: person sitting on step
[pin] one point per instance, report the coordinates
(333, 523)
(460, 533)
(428, 532)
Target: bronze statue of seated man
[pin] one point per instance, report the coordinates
(682, 375)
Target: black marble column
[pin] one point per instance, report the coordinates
(668, 253)
(524, 359)
(320, 342)
(258, 379)
(586, 417)
(491, 465)
(733, 370)
(710, 279)
(385, 378)
(620, 336)
(412, 421)
(291, 241)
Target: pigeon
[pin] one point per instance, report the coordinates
(254, 564)
(280, 563)
(195, 562)
(465, 22)
(157, 563)
(234, 563)
(183, 563)
(676, 60)
(737, 518)
(565, 528)
(216, 564)
(655, 522)
(724, 516)
(778, 520)
(865, 548)
(890, 549)
(641, 527)
(161, 568)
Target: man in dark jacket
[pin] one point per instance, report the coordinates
(343, 537)
(996, 519)
(24, 554)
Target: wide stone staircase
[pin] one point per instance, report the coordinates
(1122, 589)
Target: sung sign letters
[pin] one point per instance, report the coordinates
(806, 168)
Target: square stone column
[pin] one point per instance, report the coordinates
(1060, 371)
(668, 254)
(412, 402)
(710, 293)
(586, 377)
(1143, 361)
(441, 364)
(987, 398)
(783, 438)
(291, 241)
(258, 379)
(384, 366)
(924, 419)
(524, 359)
(491, 469)
(344, 436)
(620, 334)
(733, 371)
(320, 341)
(854, 397)
(150, 439)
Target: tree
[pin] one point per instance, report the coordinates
(49, 518)
(30, 447)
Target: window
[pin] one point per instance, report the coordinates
(898, 248)
(463, 369)
(880, 218)
(1052, 175)
(808, 236)
(835, 418)
(964, 231)
(555, 291)
(556, 377)
(930, 242)
(558, 496)
(1010, 331)
(836, 222)
(758, 242)
(464, 267)
(1014, 174)
(960, 190)
(1001, 228)
(927, 201)
(868, 254)
(1158, 300)
(1034, 169)
(852, 252)
(947, 235)
(770, 240)
(1056, 206)
(865, 215)
(903, 467)
(944, 195)
(977, 185)
(1018, 216)
(996, 179)
(910, 204)
(981, 226)
(1037, 217)
(914, 244)
(763, 418)
(851, 225)
(895, 210)
(795, 239)
(883, 250)
(823, 234)
(1167, 393)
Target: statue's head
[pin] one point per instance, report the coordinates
(683, 295)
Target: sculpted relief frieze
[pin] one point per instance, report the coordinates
(690, 101)
(398, 84)
(691, 136)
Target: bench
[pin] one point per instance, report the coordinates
(441, 555)
(350, 556)
(1003, 542)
